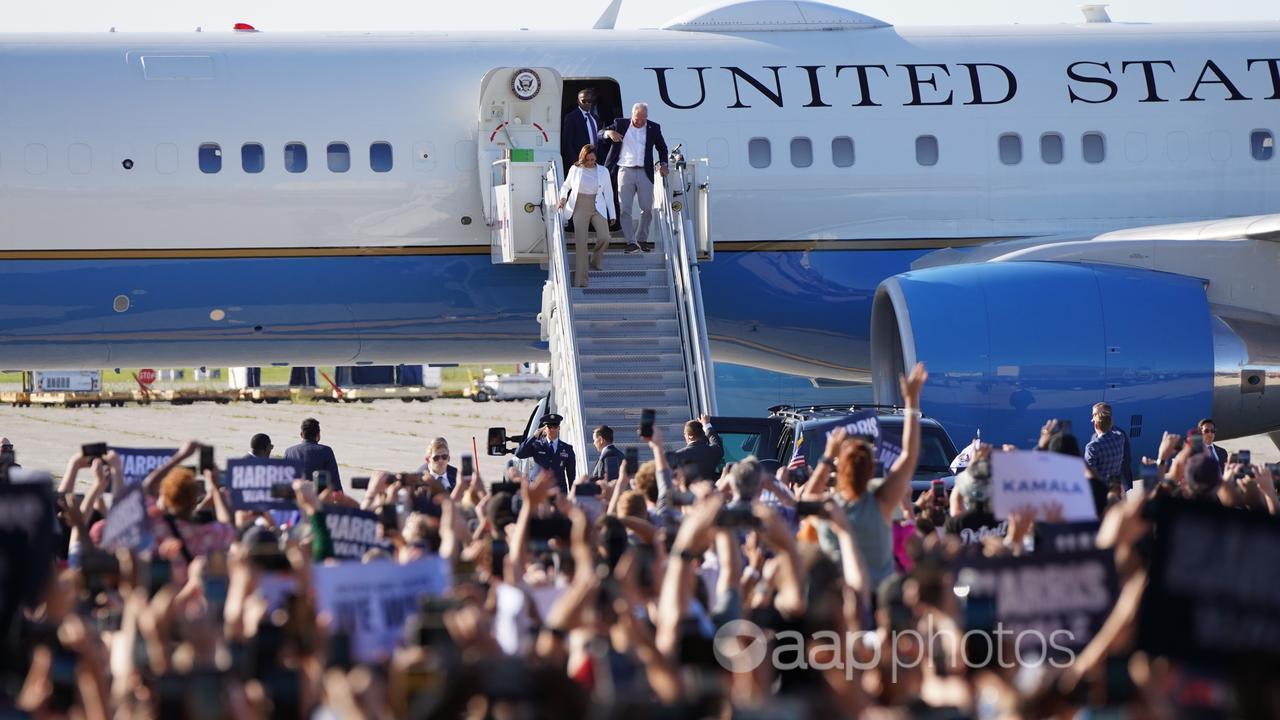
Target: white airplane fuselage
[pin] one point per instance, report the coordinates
(116, 248)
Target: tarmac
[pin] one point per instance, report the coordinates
(382, 435)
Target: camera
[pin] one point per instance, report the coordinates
(647, 416)
(588, 489)
(505, 487)
(939, 494)
(737, 516)
(93, 450)
(360, 482)
(806, 508)
(206, 459)
(388, 517)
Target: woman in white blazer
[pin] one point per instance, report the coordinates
(589, 196)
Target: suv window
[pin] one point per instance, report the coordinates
(935, 450)
(738, 445)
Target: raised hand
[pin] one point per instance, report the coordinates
(912, 384)
(536, 493)
(835, 440)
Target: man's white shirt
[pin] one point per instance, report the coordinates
(633, 144)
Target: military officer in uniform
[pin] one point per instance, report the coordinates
(550, 452)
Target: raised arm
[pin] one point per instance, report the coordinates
(816, 487)
(663, 471)
(77, 463)
(897, 483)
(526, 448)
(221, 510)
(151, 485)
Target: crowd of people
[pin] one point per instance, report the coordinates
(665, 588)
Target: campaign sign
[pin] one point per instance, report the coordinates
(373, 600)
(1027, 478)
(251, 480)
(126, 524)
(866, 423)
(353, 531)
(1049, 605)
(1213, 595)
(26, 545)
(138, 463)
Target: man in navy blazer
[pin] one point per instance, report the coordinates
(631, 156)
(581, 126)
(611, 458)
(314, 456)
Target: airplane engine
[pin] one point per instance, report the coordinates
(1010, 345)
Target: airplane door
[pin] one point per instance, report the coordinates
(519, 121)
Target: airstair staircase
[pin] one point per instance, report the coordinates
(636, 337)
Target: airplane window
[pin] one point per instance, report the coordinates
(251, 158)
(380, 156)
(1263, 144)
(210, 158)
(1010, 148)
(1095, 148)
(339, 156)
(842, 151)
(295, 157)
(1051, 148)
(801, 152)
(759, 153)
(927, 150)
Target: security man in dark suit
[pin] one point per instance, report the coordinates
(550, 452)
(314, 456)
(704, 449)
(581, 126)
(611, 458)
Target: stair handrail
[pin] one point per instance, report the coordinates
(674, 215)
(564, 342)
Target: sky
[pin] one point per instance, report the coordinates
(304, 15)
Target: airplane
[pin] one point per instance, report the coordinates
(1047, 215)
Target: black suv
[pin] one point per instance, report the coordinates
(774, 437)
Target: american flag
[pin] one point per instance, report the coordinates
(797, 459)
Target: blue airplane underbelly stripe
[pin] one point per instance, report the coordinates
(443, 308)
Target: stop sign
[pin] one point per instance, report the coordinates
(146, 376)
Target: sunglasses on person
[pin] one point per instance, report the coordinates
(439, 457)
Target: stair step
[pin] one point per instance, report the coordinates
(605, 293)
(619, 260)
(607, 327)
(588, 344)
(663, 413)
(635, 396)
(619, 375)
(628, 277)
(639, 363)
(622, 310)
